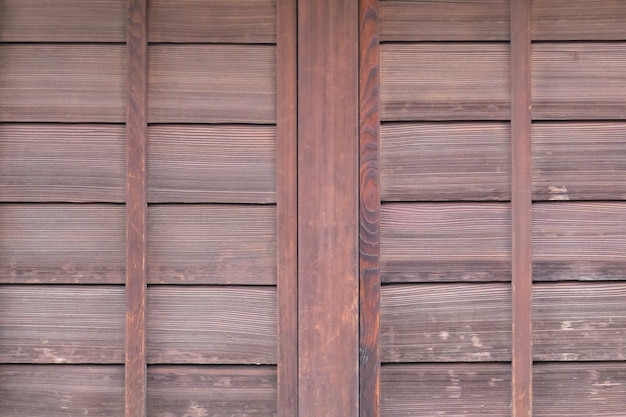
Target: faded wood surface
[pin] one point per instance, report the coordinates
(212, 84)
(61, 324)
(212, 244)
(229, 164)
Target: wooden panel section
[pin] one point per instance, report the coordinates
(78, 163)
(204, 391)
(445, 81)
(459, 161)
(61, 243)
(579, 241)
(61, 390)
(469, 20)
(198, 244)
(61, 324)
(445, 242)
(579, 81)
(579, 161)
(212, 164)
(212, 84)
(62, 83)
(232, 21)
(211, 325)
(66, 21)
(441, 390)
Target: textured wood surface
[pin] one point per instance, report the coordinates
(228, 164)
(204, 244)
(62, 83)
(211, 325)
(61, 324)
(212, 84)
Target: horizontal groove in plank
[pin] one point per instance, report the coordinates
(211, 325)
(203, 391)
(445, 81)
(61, 324)
(445, 389)
(445, 323)
(232, 21)
(212, 84)
(62, 83)
(205, 244)
(445, 242)
(77, 163)
(61, 243)
(579, 81)
(61, 390)
(469, 20)
(230, 164)
(430, 162)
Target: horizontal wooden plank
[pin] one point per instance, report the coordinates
(62, 83)
(445, 323)
(445, 242)
(61, 243)
(231, 164)
(579, 241)
(212, 84)
(218, 391)
(61, 390)
(469, 20)
(232, 21)
(77, 163)
(203, 244)
(61, 324)
(431, 162)
(445, 390)
(578, 81)
(445, 81)
(212, 325)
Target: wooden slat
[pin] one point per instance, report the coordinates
(232, 21)
(203, 391)
(77, 163)
(62, 83)
(469, 20)
(60, 243)
(579, 161)
(212, 84)
(431, 162)
(579, 81)
(61, 324)
(212, 325)
(212, 164)
(199, 244)
(445, 81)
(61, 390)
(445, 242)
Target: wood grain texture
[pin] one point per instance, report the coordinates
(218, 391)
(233, 21)
(579, 81)
(61, 324)
(469, 20)
(211, 325)
(61, 243)
(445, 242)
(62, 83)
(445, 81)
(579, 161)
(212, 84)
(228, 164)
(203, 244)
(61, 390)
(438, 162)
